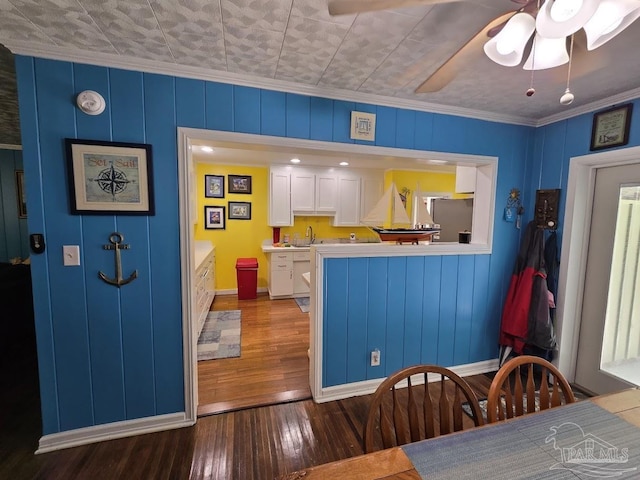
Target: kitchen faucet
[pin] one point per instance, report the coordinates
(309, 233)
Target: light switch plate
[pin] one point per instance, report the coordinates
(71, 255)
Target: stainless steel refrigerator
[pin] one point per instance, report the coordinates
(453, 215)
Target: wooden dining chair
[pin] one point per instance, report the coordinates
(526, 384)
(405, 410)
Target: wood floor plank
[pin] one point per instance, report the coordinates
(242, 444)
(273, 366)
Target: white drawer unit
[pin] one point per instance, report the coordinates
(204, 290)
(280, 274)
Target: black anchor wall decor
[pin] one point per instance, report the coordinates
(116, 239)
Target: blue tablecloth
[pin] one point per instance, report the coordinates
(580, 440)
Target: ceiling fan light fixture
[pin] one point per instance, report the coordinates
(561, 18)
(507, 47)
(549, 53)
(611, 18)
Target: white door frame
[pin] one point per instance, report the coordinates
(575, 243)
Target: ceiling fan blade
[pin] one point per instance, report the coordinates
(443, 75)
(344, 7)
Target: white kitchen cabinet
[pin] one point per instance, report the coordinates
(349, 198)
(301, 264)
(465, 179)
(204, 283)
(313, 191)
(280, 274)
(280, 213)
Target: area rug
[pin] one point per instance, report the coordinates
(303, 303)
(220, 336)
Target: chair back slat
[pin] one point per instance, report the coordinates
(457, 410)
(544, 390)
(556, 399)
(531, 390)
(414, 417)
(399, 424)
(508, 400)
(427, 411)
(399, 414)
(445, 419)
(518, 393)
(501, 391)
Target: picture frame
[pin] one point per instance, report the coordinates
(214, 218)
(239, 210)
(239, 183)
(20, 194)
(611, 127)
(214, 186)
(109, 178)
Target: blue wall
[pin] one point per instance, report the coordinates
(555, 144)
(107, 354)
(14, 240)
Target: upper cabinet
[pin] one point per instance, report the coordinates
(350, 203)
(465, 179)
(346, 195)
(313, 191)
(280, 214)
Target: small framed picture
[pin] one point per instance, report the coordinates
(611, 127)
(239, 210)
(239, 184)
(214, 218)
(214, 186)
(109, 178)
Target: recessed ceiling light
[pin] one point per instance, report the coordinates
(344, 164)
(295, 160)
(206, 149)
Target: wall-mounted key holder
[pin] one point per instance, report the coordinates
(546, 211)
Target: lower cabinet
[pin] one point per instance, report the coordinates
(280, 274)
(205, 289)
(285, 274)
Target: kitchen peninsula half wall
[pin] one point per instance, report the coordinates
(425, 303)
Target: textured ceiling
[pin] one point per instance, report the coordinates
(281, 43)
(9, 117)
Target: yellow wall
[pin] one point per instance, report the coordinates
(429, 182)
(243, 238)
(240, 238)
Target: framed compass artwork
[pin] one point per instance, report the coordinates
(109, 178)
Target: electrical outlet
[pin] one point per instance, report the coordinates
(375, 358)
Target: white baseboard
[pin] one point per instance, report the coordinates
(110, 431)
(234, 291)
(369, 386)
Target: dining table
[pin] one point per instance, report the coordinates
(598, 437)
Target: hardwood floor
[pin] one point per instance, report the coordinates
(246, 444)
(273, 366)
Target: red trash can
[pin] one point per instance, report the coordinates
(247, 273)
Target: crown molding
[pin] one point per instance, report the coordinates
(165, 68)
(590, 107)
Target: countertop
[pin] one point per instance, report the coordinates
(201, 249)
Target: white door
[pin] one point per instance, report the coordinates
(609, 345)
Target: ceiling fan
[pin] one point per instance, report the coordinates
(542, 30)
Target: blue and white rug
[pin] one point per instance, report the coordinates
(303, 303)
(220, 336)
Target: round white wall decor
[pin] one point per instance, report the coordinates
(90, 102)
